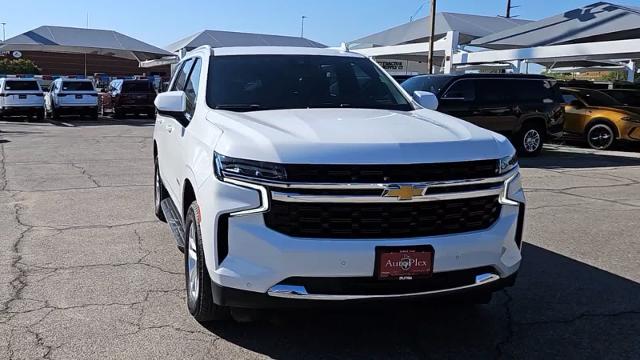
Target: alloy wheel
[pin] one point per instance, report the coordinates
(532, 140)
(600, 137)
(192, 266)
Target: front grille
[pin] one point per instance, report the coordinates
(391, 173)
(382, 220)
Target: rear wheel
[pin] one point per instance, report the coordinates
(117, 113)
(601, 136)
(159, 193)
(39, 116)
(54, 114)
(530, 140)
(94, 114)
(199, 296)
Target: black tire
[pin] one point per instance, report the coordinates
(40, 116)
(199, 297)
(600, 136)
(530, 140)
(94, 114)
(159, 192)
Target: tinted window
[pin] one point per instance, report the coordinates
(598, 98)
(568, 98)
(434, 84)
(494, 91)
(77, 86)
(531, 90)
(191, 90)
(181, 76)
(461, 89)
(137, 86)
(256, 82)
(631, 98)
(17, 85)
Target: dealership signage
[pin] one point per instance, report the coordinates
(391, 65)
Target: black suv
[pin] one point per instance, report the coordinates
(526, 108)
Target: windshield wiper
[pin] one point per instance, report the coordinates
(240, 107)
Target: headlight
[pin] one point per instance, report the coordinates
(507, 164)
(630, 118)
(247, 169)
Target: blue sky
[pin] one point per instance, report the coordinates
(161, 22)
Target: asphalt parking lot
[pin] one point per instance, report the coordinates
(86, 271)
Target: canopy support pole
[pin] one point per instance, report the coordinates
(631, 71)
(452, 40)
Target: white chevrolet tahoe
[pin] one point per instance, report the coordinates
(297, 176)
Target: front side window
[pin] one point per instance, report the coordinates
(181, 76)
(191, 88)
(461, 90)
(263, 82)
(18, 85)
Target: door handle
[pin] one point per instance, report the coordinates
(169, 128)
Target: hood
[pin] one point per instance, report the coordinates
(354, 136)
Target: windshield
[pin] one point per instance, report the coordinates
(137, 86)
(77, 86)
(263, 82)
(22, 85)
(598, 98)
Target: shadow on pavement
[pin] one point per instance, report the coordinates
(79, 122)
(572, 158)
(559, 308)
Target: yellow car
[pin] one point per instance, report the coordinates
(599, 118)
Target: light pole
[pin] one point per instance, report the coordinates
(3, 33)
(431, 36)
(302, 26)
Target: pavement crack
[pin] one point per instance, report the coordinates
(84, 172)
(3, 169)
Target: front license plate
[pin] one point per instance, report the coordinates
(78, 96)
(404, 263)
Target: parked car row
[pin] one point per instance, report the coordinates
(531, 109)
(70, 96)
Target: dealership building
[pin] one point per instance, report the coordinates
(63, 51)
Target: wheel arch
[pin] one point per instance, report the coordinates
(602, 120)
(538, 120)
(188, 196)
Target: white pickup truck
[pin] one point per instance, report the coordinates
(297, 176)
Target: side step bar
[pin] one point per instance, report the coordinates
(174, 220)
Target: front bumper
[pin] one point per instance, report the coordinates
(244, 255)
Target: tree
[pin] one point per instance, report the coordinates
(18, 66)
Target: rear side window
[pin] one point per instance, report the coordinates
(461, 90)
(568, 98)
(495, 91)
(532, 91)
(21, 85)
(77, 86)
(136, 86)
(413, 84)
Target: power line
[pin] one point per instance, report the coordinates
(417, 11)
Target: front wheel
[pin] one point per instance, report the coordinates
(199, 296)
(600, 137)
(530, 140)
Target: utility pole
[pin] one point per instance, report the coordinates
(431, 36)
(509, 7)
(85, 54)
(4, 38)
(302, 26)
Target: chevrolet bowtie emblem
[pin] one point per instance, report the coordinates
(403, 192)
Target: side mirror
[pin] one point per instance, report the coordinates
(173, 104)
(426, 99)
